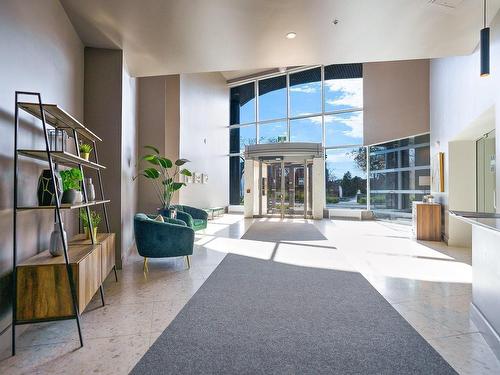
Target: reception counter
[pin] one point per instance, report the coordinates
(485, 310)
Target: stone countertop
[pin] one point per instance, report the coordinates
(483, 219)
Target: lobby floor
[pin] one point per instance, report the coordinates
(427, 283)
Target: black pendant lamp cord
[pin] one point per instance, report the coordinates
(484, 14)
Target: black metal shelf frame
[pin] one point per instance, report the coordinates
(57, 118)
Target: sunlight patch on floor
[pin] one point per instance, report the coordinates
(254, 249)
(310, 256)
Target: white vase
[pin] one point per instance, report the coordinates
(56, 245)
(89, 187)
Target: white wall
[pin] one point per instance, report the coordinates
(129, 186)
(204, 137)
(395, 100)
(458, 97)
(40, 52)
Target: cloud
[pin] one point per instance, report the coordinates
(354, 121)
(349, 91)
(308, 88)
(339, 156)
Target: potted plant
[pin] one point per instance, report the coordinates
(163, 173)
(85, 150)
(95, 219)
(71, 179)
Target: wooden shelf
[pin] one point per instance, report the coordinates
(61, 157)
(81, 239)
(76, 253)
(65, 206)
(58, 118)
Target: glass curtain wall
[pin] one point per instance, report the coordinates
(322, 104)
(399, 174)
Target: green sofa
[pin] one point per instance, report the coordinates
(193, 217)
(155, 239)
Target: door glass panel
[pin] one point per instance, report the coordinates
(290, 195)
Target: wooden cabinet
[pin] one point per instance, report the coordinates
(43, 290)
(107, 242)
(426, 221)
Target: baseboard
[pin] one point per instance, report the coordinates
(236, 209)
(490, 335)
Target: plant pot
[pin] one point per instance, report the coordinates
(71, 196)
(168, 212)
(87, 232)
(46, 193)
(56, 241)
(85, 155)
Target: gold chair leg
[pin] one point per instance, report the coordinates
(188, 261)
(145, 265)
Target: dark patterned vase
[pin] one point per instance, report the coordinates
(46, 193)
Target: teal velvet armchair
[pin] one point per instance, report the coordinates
(193, 217)
(155, 239)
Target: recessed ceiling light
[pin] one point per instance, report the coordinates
(291, 35)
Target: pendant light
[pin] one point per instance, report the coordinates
(485, 46)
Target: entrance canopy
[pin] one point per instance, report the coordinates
(289, 150)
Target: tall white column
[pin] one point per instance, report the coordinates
(251, 196)
(318, 188)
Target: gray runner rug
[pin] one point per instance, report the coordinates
(261, 317)
(281, 232)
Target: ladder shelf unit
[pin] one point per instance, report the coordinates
(51, 115)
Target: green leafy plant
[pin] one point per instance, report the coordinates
(95, 218)
(85, 148)
(71, 179)
(164, 173)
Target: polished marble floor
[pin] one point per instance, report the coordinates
(427, 283)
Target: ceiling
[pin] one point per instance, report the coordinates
(241, 37)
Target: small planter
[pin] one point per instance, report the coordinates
(87, 232)
(85, 155)
(71, 196)
(168, 212)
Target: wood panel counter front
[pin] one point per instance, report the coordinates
(43, 290)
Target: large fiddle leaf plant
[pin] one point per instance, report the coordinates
(164, 173)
